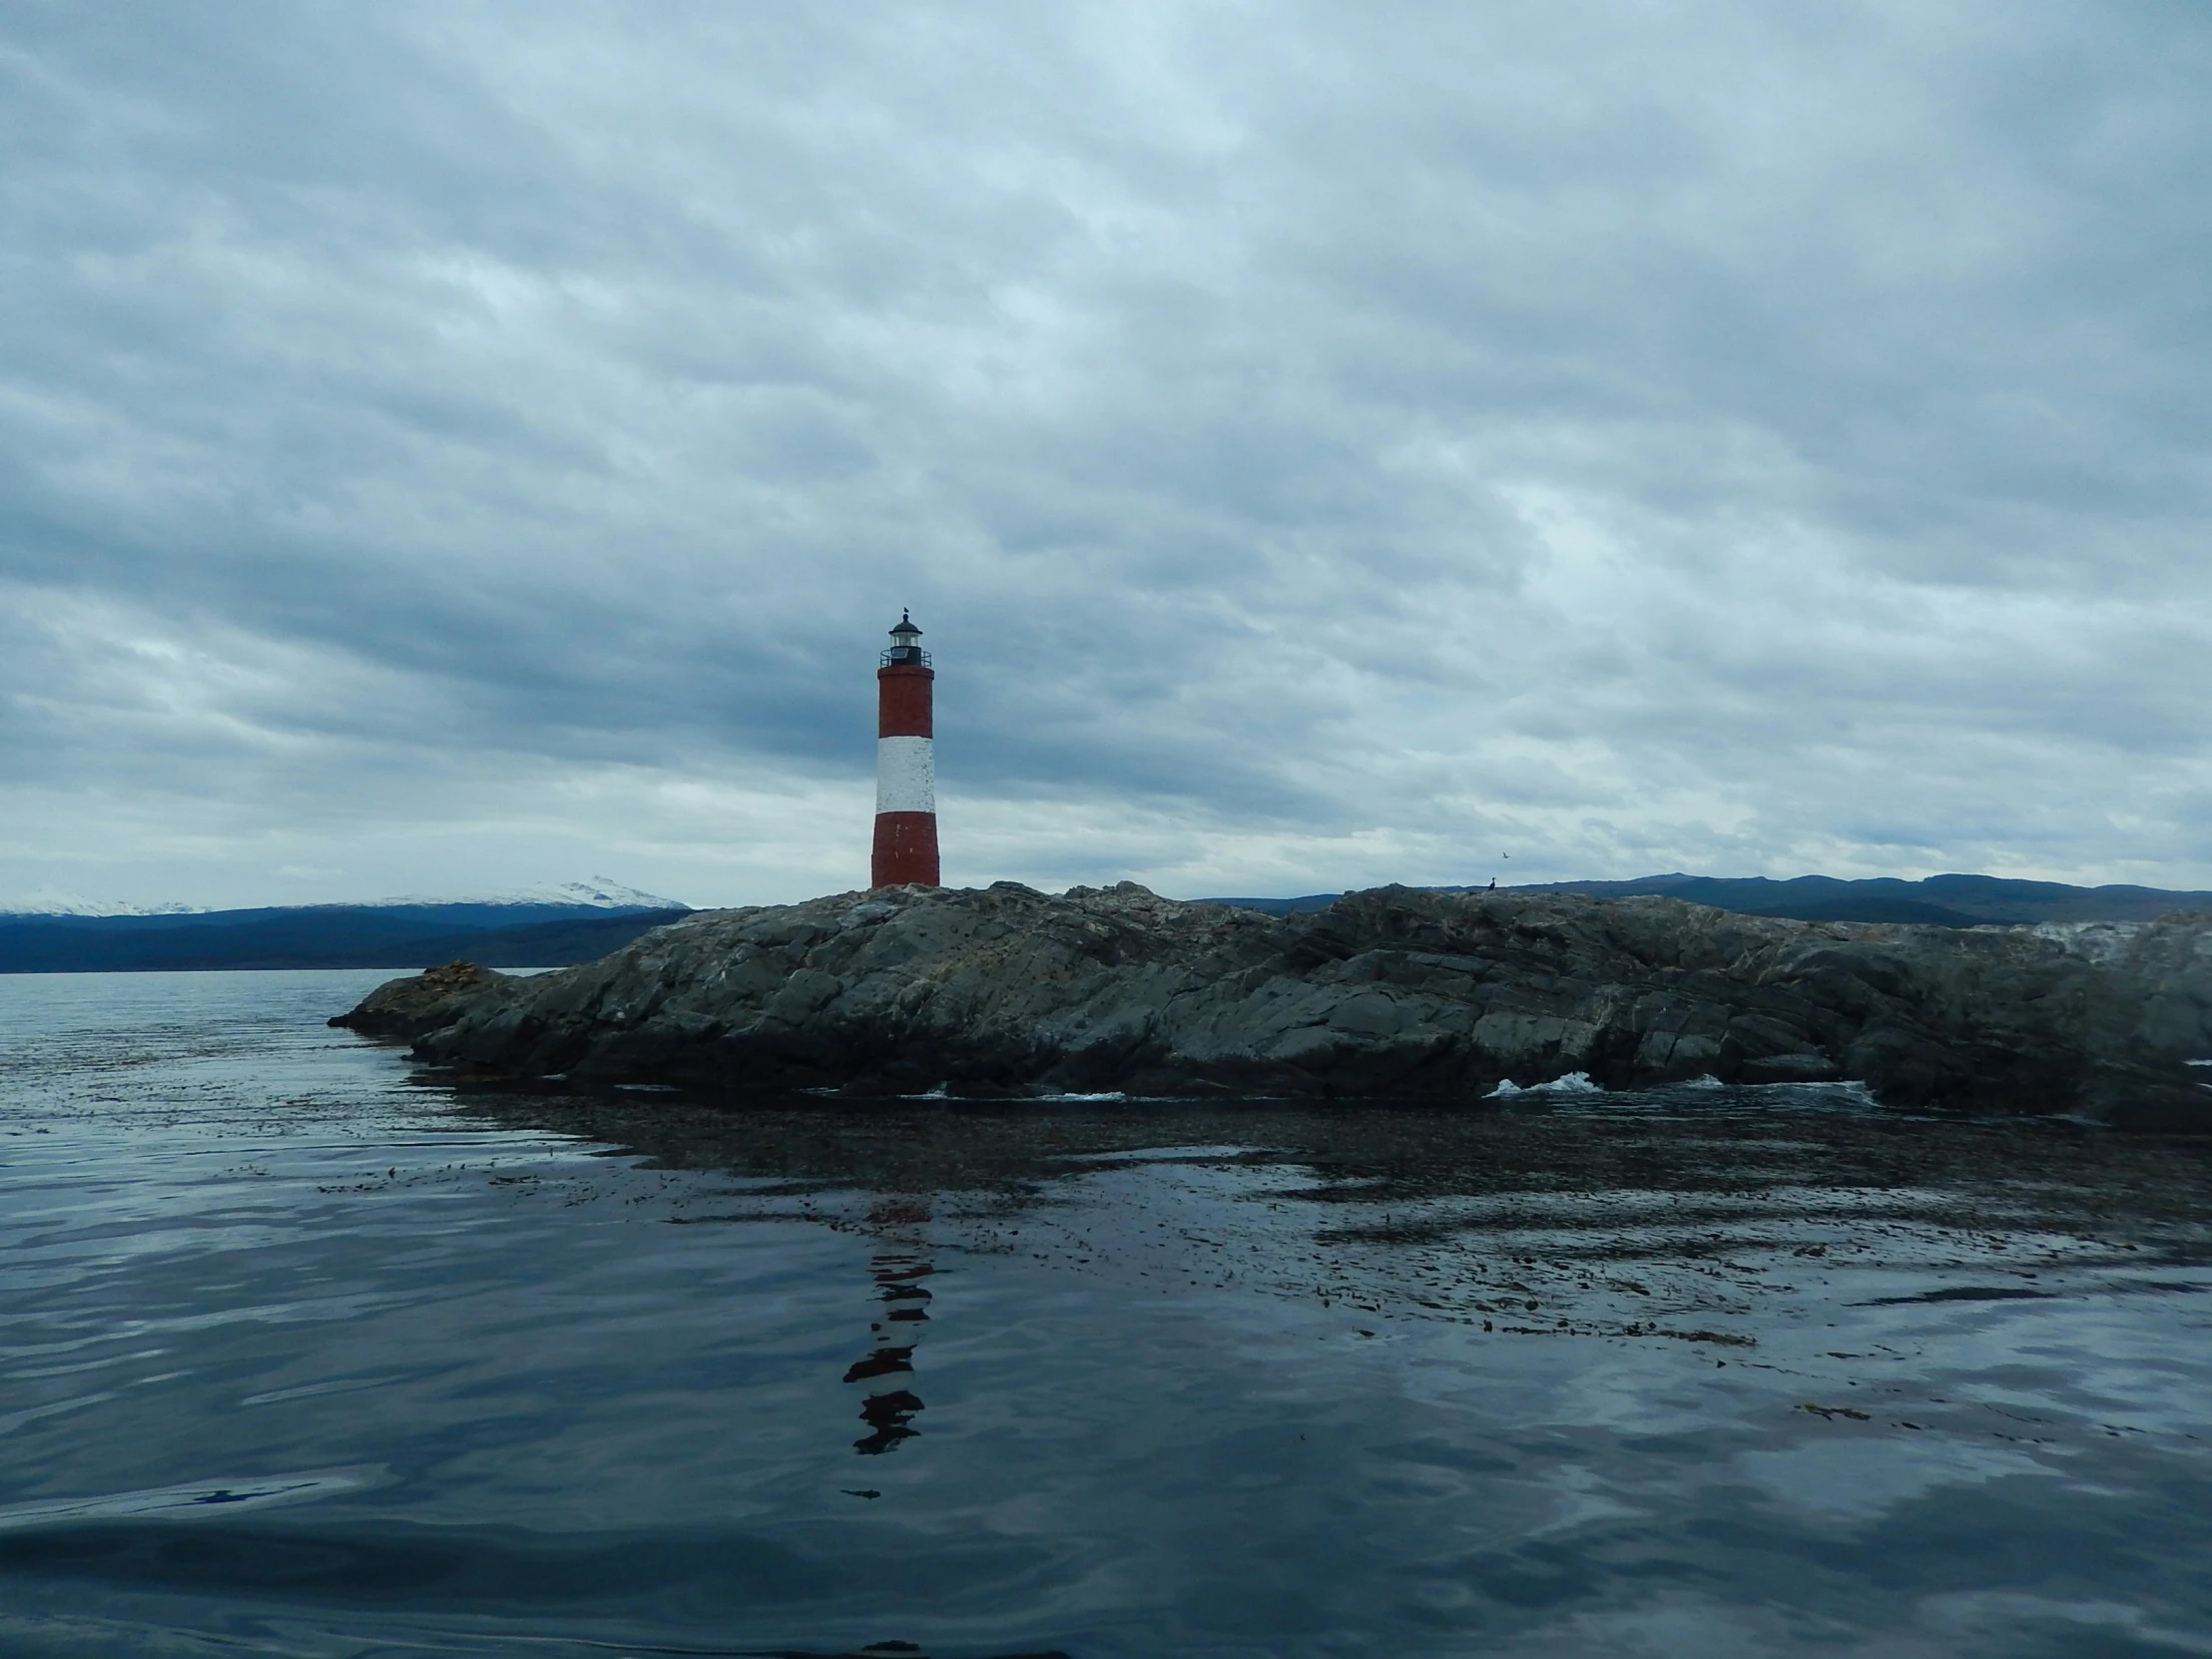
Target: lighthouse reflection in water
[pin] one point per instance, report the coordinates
(886, 1373)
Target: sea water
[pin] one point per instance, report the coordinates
(305, 1354)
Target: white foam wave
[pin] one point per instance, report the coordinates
(1575, 1082)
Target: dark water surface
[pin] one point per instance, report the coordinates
(299, 1355)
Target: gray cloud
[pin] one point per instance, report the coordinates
(452, 444)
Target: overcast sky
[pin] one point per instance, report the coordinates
(453, 445)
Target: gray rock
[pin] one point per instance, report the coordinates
(1392, 992)
(431, 999)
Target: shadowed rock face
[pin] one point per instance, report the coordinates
(1392, 992)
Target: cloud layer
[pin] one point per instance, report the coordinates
(456, 445)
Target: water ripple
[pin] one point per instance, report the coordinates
(1702, 1371)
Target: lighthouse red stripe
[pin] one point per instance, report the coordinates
(906, 850)
(902, 702)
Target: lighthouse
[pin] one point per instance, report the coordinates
(905, 764)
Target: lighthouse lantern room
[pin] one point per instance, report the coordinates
(905, 764)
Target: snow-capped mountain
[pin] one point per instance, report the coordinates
(541, 926)
(53, 901)
(599, 893)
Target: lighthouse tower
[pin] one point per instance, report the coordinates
(905, 764)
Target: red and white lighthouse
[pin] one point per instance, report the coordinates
(905, 764)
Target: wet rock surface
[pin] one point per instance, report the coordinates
(1390, 993)
(430, 999)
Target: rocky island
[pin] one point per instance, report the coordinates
(1391, 993)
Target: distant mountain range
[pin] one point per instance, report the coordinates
(547, 926)
(566, 898)
(578, 921)
(1938, 900)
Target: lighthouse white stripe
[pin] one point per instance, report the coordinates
(905, 775)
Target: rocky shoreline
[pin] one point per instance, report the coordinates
(1391, 993)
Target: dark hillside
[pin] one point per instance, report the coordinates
(1938, 901)
(317, 939)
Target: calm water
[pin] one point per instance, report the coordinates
(301, 1356)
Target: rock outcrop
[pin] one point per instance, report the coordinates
(1390, 993)
(433, 998)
